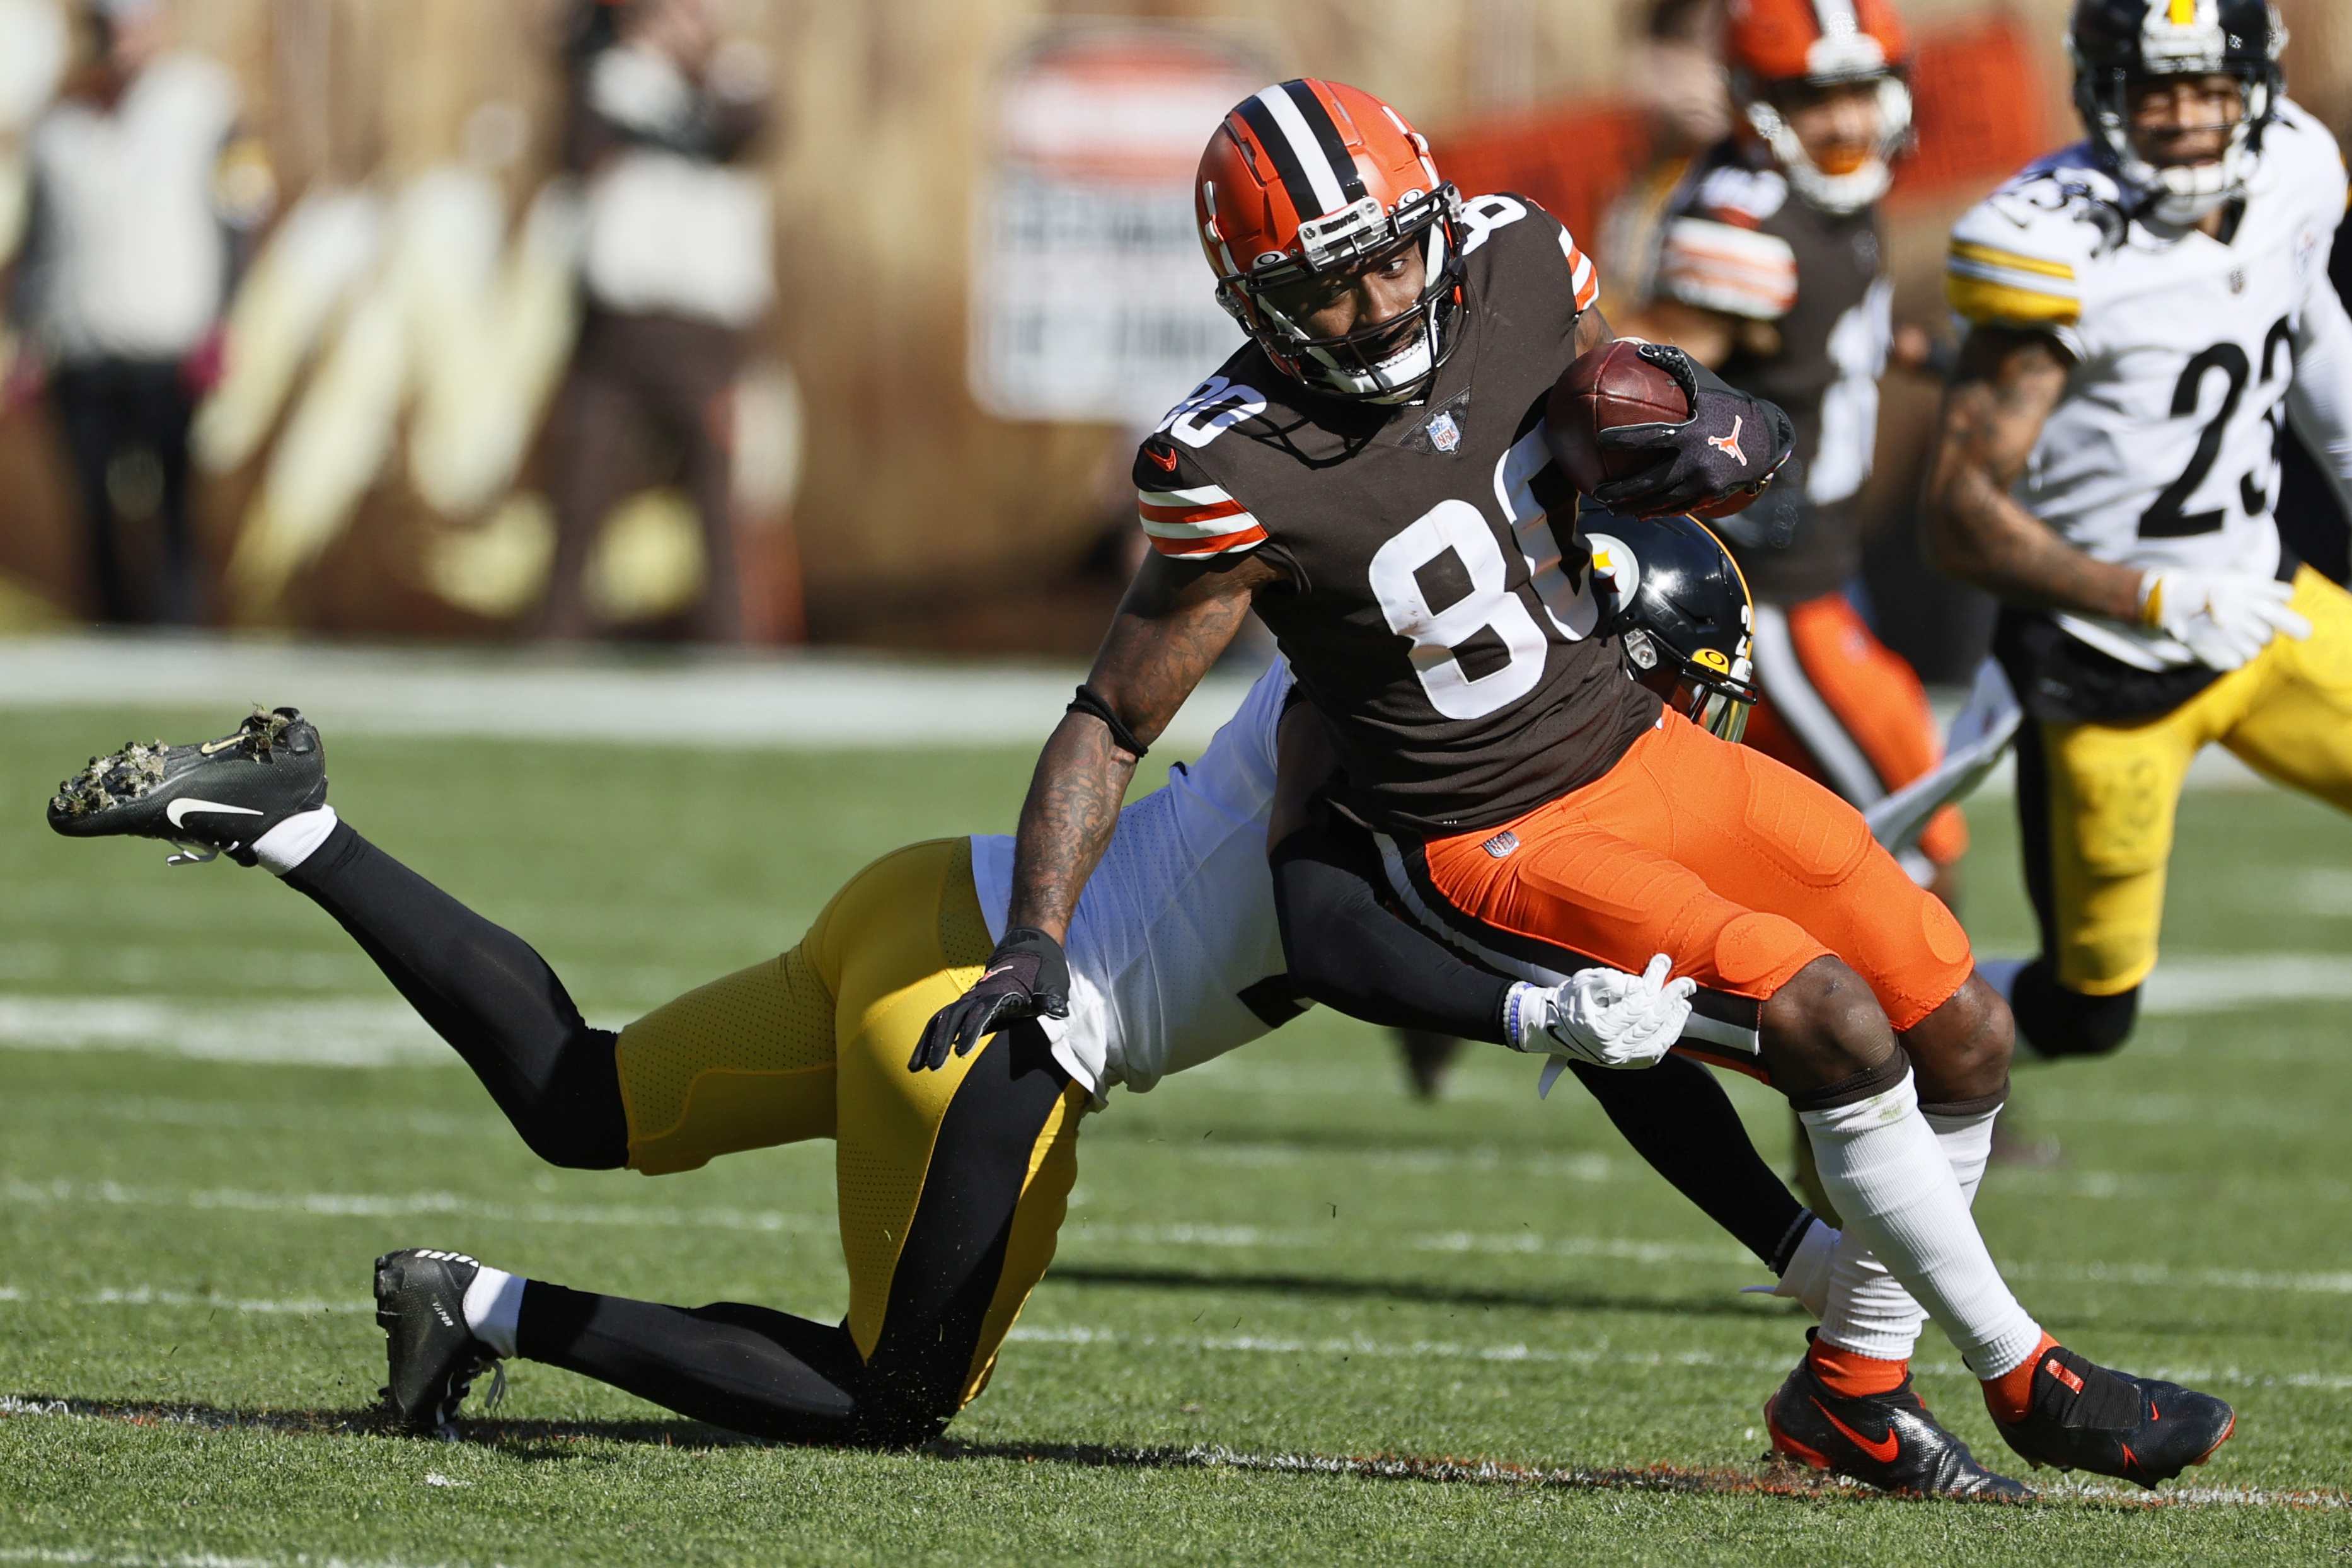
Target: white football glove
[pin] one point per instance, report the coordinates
(1604, 1016)
(2222, 618)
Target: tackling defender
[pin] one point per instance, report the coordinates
(2151, 309)
(1371, 475)
(951, 1183)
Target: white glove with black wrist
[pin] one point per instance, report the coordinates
(2222, 618)
(1604, 1016)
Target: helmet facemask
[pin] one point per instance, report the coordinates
(2181, 194)
(1716, 701)
(1392, 361)
(2114, 62)
(1846, 190)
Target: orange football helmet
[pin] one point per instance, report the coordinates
(1781, 44)
(1312, 177)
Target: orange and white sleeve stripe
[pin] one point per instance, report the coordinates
(1198, 522)
(1722, 267)
(1581, 273)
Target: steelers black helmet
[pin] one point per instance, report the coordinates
(1674, 598)
(2119, 44)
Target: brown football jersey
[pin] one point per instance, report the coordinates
(1738, 240)
(1438, 611)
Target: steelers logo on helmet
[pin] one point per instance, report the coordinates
(1784, 52)
(1679, 607)
(2121, 46)
(1316, 182)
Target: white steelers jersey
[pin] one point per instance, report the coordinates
(1175, 955)
(2164, 450)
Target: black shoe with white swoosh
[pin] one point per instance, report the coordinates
(212, 799)
(433, 1358)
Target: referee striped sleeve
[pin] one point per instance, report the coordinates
(1722, 267)
(1196, 522)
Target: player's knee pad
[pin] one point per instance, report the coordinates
(2054, 1022)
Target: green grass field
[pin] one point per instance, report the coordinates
(1276, 1260)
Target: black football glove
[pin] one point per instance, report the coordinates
(1730, 442)
(1028, 976)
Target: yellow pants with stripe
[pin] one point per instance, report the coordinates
(2113, 788)
(815, 1044)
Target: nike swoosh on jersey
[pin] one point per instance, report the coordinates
(1884, 1450)
(1168, 462)
(176, 813)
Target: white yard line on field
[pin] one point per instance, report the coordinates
(2221, 984)
(1525, 1243)
(835, 700)
(387, 1205)
(111, 1558)
(311, 1032)
(369, 1032)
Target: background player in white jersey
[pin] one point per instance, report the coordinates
(2149, 310)
(953, 1174)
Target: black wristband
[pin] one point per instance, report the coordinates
(1090, 701)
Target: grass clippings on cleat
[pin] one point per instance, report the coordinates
(112, 780)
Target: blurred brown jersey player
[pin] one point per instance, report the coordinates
(1769, 269)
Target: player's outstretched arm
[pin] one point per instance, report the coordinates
(1178, 616)
(2006, 385)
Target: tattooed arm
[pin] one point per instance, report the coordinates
(1176, 617)
(2005, 388)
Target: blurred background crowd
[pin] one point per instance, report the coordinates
(772, 321)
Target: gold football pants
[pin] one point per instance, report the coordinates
(2112, 789)
(952, 1185)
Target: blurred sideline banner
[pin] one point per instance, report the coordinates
(1087, 300)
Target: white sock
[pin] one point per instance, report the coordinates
(294, 840)
(1902, 1202)
(1806, 1280)
(494, 1306)
(1875, 1315)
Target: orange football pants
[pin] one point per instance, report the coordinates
(1739, 869)
(1849, 704)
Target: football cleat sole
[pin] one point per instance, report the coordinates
(210, 799)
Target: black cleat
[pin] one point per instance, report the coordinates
(420, 1304)
(211, 799)
(2085, 1418)
(1884, 1440)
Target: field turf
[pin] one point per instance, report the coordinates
(1273, 1266)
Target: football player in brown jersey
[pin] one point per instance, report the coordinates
(1769, 269)
(1371, 475)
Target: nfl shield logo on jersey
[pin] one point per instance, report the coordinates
(1445, 434)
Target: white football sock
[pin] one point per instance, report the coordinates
(494, 1306)
(1875, 1315)
(1900, 1198)
(294, 840)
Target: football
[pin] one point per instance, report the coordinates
(1611, 386)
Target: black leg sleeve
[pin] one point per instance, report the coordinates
(1348, 953)
(761, 1372)
(484, 991)
(1677, 1118)
(744, 1368)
